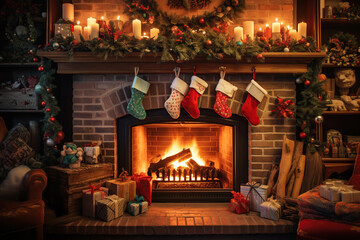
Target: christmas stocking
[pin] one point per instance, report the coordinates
(190, 102)
(138, 89)
(255, 95)
(179, 90)
(224, 90)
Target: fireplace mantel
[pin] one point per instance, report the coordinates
(88, 63)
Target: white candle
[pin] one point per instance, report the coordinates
(87, 31)
(276, 26)
(136, 24)
(77, 31)
(239, 33)
(302, 27)
(293, 34)
(94, 31)
(68, 11)
(90, 21)
(249, 29)
(154, 33)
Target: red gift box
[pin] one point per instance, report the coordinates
(143, 186)
(239, 203)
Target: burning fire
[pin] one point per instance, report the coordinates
(177, 147)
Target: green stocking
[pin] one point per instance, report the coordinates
(138, 91)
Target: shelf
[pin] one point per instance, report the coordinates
(341, 113)
(20, 111)
(332, 65)
(88, 63)
(31, 64)
(339, 21)
(334, 160)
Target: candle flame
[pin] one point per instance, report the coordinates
(102, 17)
(267, 25)
(118, 17)
(259, 29)
(281, 23)
(276, 19)
(144, 34)
(78, 22)
(288, 27)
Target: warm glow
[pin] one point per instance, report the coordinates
(267, 25)
(259, 29)
(276, 19)
(176, 147)
(288, 27)
(144, 34)
(118, 17)
(281, 23)
(78, 22)
(102, 17)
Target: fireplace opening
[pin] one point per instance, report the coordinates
(190, 160)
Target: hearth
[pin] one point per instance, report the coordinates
(190, 160)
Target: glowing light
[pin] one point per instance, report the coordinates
(102, 17)
(118, 17)
(78, 22)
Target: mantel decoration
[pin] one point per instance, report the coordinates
(348, 10)
(343, 50)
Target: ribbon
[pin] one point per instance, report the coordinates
(94, 188)
(124, 175)
(177, 71)
(138, 200)
(136, 69)
(222, 72)
(253, 186)
(105, 205)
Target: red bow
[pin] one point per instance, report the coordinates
(94, 188)
(238, 196)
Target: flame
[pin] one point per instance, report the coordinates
(118, 17)
(176, 147)
(102, 17)
(78, 22)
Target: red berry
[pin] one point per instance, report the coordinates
(259, 56)
(208, 42)
(48, 109)
(43, 103)
(302, 135)
(201, 20)
(35, 59)
(228, 38)
(41, 68)
(52, 119)
(307, 83)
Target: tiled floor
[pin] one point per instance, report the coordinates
(174, 219)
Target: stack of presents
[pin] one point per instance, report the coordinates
(131, 194)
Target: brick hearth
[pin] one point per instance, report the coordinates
(100, 99)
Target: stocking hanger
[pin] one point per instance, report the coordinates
(136, 69)
(177, 71)
(253, 69)
(194, 70)
(222, 72)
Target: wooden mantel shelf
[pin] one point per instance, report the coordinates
(88, 63)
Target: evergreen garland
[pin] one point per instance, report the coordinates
(351, 12)
(343, 50)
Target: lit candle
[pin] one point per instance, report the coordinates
(267, 32)
(302, 27)
(239, 33)
(276, 26)
(249, 29)
(68, 11)
(136, 24)
(260, 33)
(77, 31)
(145, 36)
(293, 34)
(102, 22)
(154, 33)
(94, 31)
(118, 24)
(87, 31)
(90, 21)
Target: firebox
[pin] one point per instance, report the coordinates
(190, 160)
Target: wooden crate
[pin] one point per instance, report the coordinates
(65, 186)
(18, 99)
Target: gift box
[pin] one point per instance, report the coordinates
(333, 192)
(138, 206)
(270, 209)
(350, 195)
(239, 203)
(126, 190)
(256, 193)
(89, 199)
(143, 186)
(92, 153)
(110, 207)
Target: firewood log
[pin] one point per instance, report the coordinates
(274, 173)
(313, 174)
(299, 176)
(290, 185)
(193, 164)
(299, 147)
(181, 156)
(285, 164)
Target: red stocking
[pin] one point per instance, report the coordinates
(224, 90)
(190, 102)
(355, 178)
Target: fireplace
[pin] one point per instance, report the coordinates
(190, 160)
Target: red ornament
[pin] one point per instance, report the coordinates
(48, 110)
(60, 135)
(41, 68)
(52, 119)
(259, 56)
(228, 38)
(35, 59)
(307, 83)
(322, 77)
(43, 103)
(208, 42)
(201, 20)
(48, 89)
(302, 135)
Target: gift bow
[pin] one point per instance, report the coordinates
(94, 188)
(138, 200)
(253, 186)
(238, 196)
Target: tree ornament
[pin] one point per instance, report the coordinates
(228, 38)
(303, 126)
(35, 59)
(262, 38)
(43, 103)
(39, 89)
(201, 21)
(48, 89)
(48, 110)
(60, 135)
(21, 31)
(239, 43)
(40, 68)
(298, 81)
(228, 8)
(208, 42)
(235, 2)
(312, 140)
(286, 49)
(55, 45)
(50, 142)
(259, 56)
(174, 29)
(319, 119)
(52, 119)
(307, 83)
(307, 44)
(322, 77)
(302, 135)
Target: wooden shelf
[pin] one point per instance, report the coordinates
(32, 64)
(334, 160)
(20, 111)
(341, 112)
(88, 63)
(331, 65)
(339, 21)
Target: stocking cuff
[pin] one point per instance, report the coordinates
(255, 90)
(140, 84)
(226, 88)
(198, 84)
(180, 85)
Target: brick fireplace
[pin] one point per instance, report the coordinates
(101, 99)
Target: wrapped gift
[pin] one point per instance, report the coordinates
(350, 195)
(110, 207)
(239, 203)
(92, 153)
(256, 193)
(139, 205)
(90, 197)
(143, 186)
(333, 192)
(270, 209)
(126, 190)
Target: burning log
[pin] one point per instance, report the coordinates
(192, 164)
(181, 156)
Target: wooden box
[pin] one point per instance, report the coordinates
(65, 186)
(18, 99)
